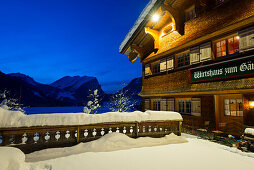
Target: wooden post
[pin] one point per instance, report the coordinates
(137, 129)
(180, 128)
(78, 135)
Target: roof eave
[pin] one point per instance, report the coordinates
(140, 27)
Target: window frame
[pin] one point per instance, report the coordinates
(157, 103)
(183, 54)
(155, 68)
(215, 44)
(187, 104)
(238, 112)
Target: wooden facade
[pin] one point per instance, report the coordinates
(198, 60)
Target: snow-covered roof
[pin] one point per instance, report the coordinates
(138, 22)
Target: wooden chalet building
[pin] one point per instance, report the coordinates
(198, 59)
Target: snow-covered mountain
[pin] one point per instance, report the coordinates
(24, 77)
(67, 91)
(79, 87)
(71, 83)
(134, 88)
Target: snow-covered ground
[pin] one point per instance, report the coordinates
(116, 151)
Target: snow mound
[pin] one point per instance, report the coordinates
(9, 118)
(11, 159)
(18, 119)
(249, 131)
(110, 142)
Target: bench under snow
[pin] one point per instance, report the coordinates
(18, 119)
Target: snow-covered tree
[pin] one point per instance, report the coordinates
(93, 104)
(9, 103)
(120, 102)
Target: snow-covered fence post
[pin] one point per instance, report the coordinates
(180, 128)
(78, 134)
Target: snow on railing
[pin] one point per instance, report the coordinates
(29, 139)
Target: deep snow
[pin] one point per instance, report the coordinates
(196, 154)
(18, 119)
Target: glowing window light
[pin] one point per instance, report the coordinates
(155, 18)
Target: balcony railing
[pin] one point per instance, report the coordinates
(30, 139)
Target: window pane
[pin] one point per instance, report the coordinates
(231, 46)
(236, 43)
(226, 107)
(188, 106)
(147, 104)
(181, 106)
(170, 105)
(196, 106)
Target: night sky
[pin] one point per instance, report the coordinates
(49, 39)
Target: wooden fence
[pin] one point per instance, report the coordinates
(30, 139)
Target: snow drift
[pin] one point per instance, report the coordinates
(18, 119)
(110, 142)
(11, 159)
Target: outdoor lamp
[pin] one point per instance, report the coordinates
(155, 18)
(251, 104)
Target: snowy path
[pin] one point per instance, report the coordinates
(196, 154)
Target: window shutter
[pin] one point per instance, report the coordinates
(246, 41)
(147, 104)
(171, 104)
(147, 70)
(196, 106)
(243, 42)
(194, 55)
(205, 52)
(163, 105)
(163, 65)
(170, 63)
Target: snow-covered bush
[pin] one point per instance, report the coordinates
(93, 104)
(9, 103)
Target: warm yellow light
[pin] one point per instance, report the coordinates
(251, 103)
(237, 37)
(155, 18)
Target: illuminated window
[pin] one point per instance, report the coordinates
(233, 107)
(147, 70)
(227, 46)
(166, 64)
(233, 45)
(221, 48)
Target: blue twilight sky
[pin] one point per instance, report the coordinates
(49, 39)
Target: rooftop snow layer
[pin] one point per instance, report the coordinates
(18, 119)
(140, 19)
